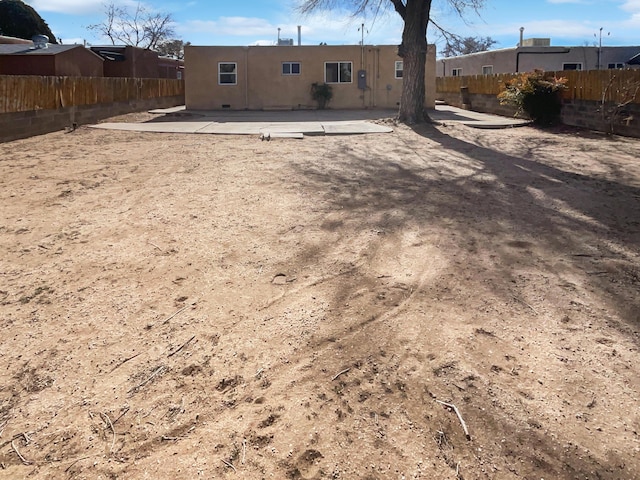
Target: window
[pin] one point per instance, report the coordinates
(487, 70)
(399, 68)
(572, 66)
(616, 65)
(337, 72)
(227, 73)
(456, 72)
(290, 68)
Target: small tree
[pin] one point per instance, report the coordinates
(456, 45)
(172, 48)
(137, 27)
(537, 94)
(322, 94)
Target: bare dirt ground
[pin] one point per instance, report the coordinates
(192, 306)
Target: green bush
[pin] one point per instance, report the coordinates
(536, 93)
(322, 94)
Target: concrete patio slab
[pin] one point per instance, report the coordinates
(306, 122)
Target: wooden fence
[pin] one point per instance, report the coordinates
(26, 93)
(596, 85)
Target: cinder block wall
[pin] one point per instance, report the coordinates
(14, 126)
(577, 113)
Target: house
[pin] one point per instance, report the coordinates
(22, 41)
(49, 60)
(136, 62)
(280, 77)
(536, 54)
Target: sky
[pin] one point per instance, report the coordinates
(256, 22)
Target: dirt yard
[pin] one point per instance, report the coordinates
(193, 306)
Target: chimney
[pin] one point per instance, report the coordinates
(299, 35)
(521, 36)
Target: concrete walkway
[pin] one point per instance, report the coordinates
(296, 123)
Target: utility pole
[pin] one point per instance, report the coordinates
(600, 48)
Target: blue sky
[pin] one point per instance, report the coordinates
(249, 22)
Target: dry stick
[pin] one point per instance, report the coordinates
(244, 449)
(151, 243)
(15, 449)
(229, 465)
(155, 372)
(113, 441)
(124, 361)
(455, 409)
(122, 415)
(183, 345)
(525, 303)
(76, 461)
(340, 373)
(179, 311)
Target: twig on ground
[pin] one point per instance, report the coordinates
(168, 438)
(457, 412)
(181, 347)
(76, 461)
(340, 373)
(178, 312)
(230, 465)
(122, 414)
(525, 303)
(27, 440)
(124, 361)
(113, 430)
(15, 449)
(244, 449)
(155, 372)
(153, 244)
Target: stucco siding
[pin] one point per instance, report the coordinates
(526, 59)
(261, 84)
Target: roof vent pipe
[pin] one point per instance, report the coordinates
(521, 36)
(40, 41)
(299, 35)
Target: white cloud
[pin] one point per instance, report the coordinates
(75, 7)
(316, 28)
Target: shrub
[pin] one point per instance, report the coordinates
(322, 94)
(537, 94)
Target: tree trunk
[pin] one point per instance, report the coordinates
(413, 51)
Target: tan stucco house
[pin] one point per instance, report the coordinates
(280, 77)
(537, 54)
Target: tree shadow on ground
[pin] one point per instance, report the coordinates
(577, 221)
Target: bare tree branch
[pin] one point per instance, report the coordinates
(137, 27)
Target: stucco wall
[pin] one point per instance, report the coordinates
(261, 84)
(526, 59)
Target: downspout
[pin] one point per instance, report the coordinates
(246, 78)
(566, 50)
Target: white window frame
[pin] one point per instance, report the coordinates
(577, 64)
(456, 72)
(290, 65)
(399, 69)
(339, 63)
(234, 73)
(616, 66)
(487, 67)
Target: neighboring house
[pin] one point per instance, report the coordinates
(260, 77)
(4, 39)
(136, 62)
(536, 54)
(49, 60)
